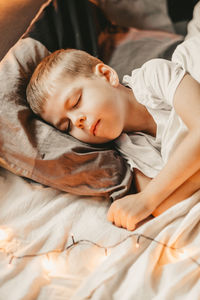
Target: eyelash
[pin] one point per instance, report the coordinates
(69, 123)
(77, 103)
(69, 126)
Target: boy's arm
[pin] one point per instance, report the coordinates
(184, 191)
(188, 188)
(185, 161)
(140, 180)
(182, 165)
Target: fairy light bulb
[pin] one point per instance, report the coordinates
(10, 266)
(137, 245)
(48, 264)
(107, 252)
(3, 235)
(183, 254)
(55, 265)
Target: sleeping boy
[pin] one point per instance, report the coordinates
(160, 103)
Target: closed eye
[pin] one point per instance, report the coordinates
(69, 126)
(77, 102)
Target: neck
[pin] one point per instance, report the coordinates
(137, 117)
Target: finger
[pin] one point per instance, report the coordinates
(130, 224)
(110, 215)
(117, 219)
(142, 216)
(124, 221)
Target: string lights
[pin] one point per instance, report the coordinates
(49, 264)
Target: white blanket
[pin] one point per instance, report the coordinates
(40, 219)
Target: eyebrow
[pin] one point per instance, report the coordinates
(74, 90)
(64, 118)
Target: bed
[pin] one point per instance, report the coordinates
(55, 240)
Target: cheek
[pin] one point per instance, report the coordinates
(81, 135)
(111, 132)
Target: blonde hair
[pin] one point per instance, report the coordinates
(52, 69)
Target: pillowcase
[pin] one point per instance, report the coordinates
(34, 149)
(135, 47)
(142, 14)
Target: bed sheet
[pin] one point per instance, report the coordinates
(159, 260)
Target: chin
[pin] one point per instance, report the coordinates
(101, 140)
(115, 135)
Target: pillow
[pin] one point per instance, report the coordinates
(142, 14)
(133, 48)
(34, 149)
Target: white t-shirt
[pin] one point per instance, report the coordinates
(154, 85)
(187, 55)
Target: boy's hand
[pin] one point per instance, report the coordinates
(129, 210)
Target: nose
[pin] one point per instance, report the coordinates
(80, 122)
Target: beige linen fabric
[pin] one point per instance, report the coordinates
(43, 219)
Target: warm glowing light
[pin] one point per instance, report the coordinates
(180, 254)
(99, 258)
(10, 266)
(48, 264)
(137, 245)
(185, 253)
(3, 235)
(107, 252)
(55, 264)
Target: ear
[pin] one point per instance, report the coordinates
(107, 73)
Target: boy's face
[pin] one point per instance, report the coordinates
(89, 109)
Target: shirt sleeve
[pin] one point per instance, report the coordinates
(155, 83)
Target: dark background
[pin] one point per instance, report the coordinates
(180, 10)
(16, 15)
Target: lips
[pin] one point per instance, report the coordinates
(94, 127)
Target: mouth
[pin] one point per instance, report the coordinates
(94, 127)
